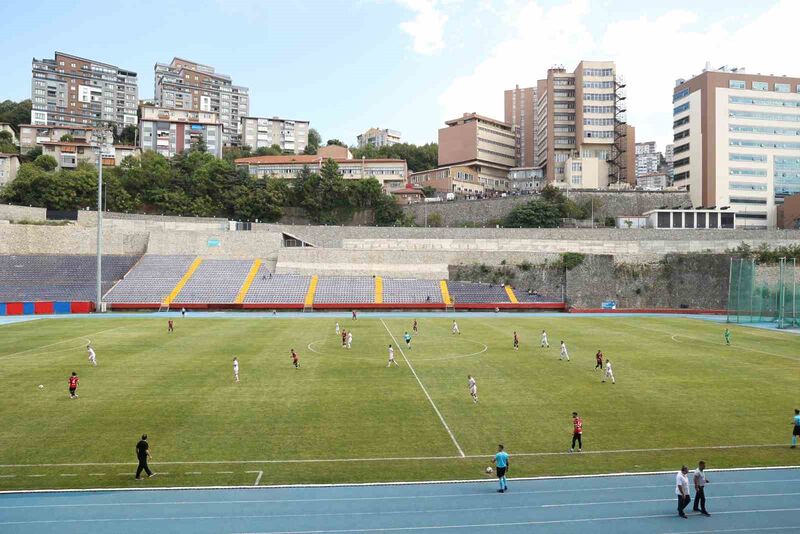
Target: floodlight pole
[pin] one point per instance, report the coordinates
(99, 298)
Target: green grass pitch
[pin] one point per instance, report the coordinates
(345, 417)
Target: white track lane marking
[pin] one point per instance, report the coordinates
(31, 350)
(760, 529)
(404, 458)
(433, 404)
(567, 505)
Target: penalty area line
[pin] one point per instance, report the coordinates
(421, 385)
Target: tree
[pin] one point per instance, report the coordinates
(537, 213)
(67, 138)
(33, 153)
(314, 140)
(15, 113)
(46, 162)
(429, 191)
(335, 142)
(125, 136)
(419, 158)
(7, 145)
(6, 137)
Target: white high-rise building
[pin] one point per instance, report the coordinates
(647, 158)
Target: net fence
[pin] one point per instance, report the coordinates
(764, 293)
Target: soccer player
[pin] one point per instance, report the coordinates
(577, 432)
(169, 326)
(344, 338)
(183, 312)
(544, 343)
(295, 360)
(516, 341)
(349, 339)
(599, 358)
(473, 388)
(391, 358)
(564, 353)
(235, 369)
(609, 372)
(73, 385)
(796, 431)
(337, 328)
(501, 462)
(455, 328)
(727, 336)
(407, 337)
(92, 355)
(414, 328)
(142, 454)
(355, 317)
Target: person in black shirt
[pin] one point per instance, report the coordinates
(143, 453)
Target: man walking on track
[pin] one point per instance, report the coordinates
(682, 490)
(143, 453)
(501, 462)
(700, 482)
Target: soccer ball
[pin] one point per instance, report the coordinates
(41, 386)
(488, 470)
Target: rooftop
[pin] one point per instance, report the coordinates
(474, 116)
(307, 159)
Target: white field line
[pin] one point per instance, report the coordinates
(402, 458)
(436, 482)
(433, 404)
(759, 529)
(22, 352)
(567, 505)
(258, 477)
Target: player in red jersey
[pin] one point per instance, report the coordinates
(73, 385)
(295, 360)
(577, 432)
(344, 338)
(516, 341)
(169, 325)
(599, 358)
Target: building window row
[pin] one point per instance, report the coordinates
(496, 132)
(681, 148)
(599, 109)
(680, 162)
(608, 84)
(747, 186)
(764, 144)
(743, 200)
(773, 102)
(748, 172)
(786, 162)
(785, 117)
(598, 134)
(757, 158)
(563, 94)
(681, 176)
(563, 117)
(680, 109)
(680, 135)
(599, 96)
(763, 130)
(680, 94)
(598, 72)
(680, 122)
(599, 122)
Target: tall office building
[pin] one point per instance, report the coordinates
(378, 137)
(187, 85)
(261, 132)
(72, 91)
(669, 157)
(487, 147)
(737, 141)
(647, 158)
(581, 138)
(520, 110)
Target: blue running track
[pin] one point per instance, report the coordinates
(740, 501)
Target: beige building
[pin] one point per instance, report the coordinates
(460, 180)
(69, 154)
(581, 139)
(520, 110)
(391, 173)
(290, 135)
(6, 127)
(379, 137)
(487, 146)
(33, 135)
(187, 85)
(737, 142)
(70, 90)
(9, 165)
(170, 131)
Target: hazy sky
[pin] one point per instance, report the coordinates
(406, 64)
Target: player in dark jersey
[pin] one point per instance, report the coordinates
(295, 360)
(73, 385)
(414, 328)
(599, 358)
(344, 338)
(169, 326)
(516, 341)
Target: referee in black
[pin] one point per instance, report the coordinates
(143, 453)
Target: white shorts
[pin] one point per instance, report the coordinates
(473, 391)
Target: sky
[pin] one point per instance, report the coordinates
(408, 65)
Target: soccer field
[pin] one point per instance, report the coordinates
(681, 395)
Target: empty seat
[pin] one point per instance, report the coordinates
(151, 280)
(345, 290)
(270, 288)
(411, 291)
(215, 282)
(472, 292)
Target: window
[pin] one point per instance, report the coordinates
(726, 220)
(677, 220)
(743, 200)
(782, 87)
(764, 144)
(688, 220)
(763, 130)
(576, 179)
(680, 122)
(748, 157)
(747, 186)
(680, 135)
(680, 94)
(760, 86)
(777, 102)
(681, 148)
(680, 109)
(663, 219)
(701, 220)
(576, 166)
(736, 84)
(748, 172)
(787, 117)
(712, 220)
(681, 176)
(680, 162)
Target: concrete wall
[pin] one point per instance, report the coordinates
(19, 213)
(232, 245)
(146, 223)
(488, 212)
(33, 239)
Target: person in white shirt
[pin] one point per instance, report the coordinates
(391, 358)
(609, 372)
(350, 339)
(682, 490)
(700, 482)
(473, 388)
(92, 355)
(337, 328)
(564, 354)
(455, 328)
(544, 344)
(235, 369)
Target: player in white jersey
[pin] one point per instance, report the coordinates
(609, 372)
(235, 369)
(337, 328)
(473, 388)
(455, 328)
(544, 344)
(92, 355)
(564, 354)
(349, 339)
(391, 358)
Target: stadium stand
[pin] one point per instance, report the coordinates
(345, 290)
(214, 282)
(411, 291)
(477, 293)
(151, 280)
(277, 288)
(523, 296)
(41, 277)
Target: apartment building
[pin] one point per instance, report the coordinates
(487, 146)
(70, 154)
(290, 135)
(669, 158)
(459, 180)
(9, 165)
(737, 141)
(191, 86)
(170, 131)
(33, 135)
(525, 180)
(391, 173)
(647, 158)
(73, 91)
(378, 137)
(581, 140)
(520, 111)
(656, 181)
